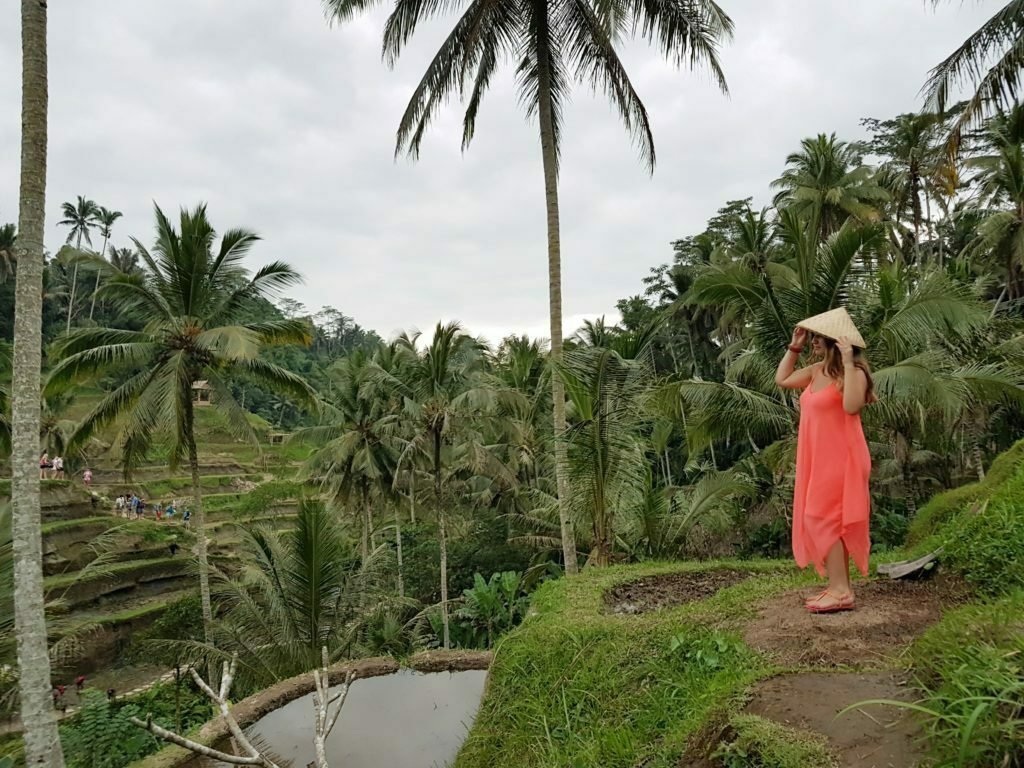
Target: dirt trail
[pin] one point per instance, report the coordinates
(868, 737)
(863, 646)
(889, 615)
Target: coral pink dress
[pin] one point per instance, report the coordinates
(831, 500)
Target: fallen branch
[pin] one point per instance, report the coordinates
(322, 704)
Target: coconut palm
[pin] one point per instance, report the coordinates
(828, 183)
(40, 735)
(607, 466)
(125, 260)
(443, 393)
(551, 42)
(80, 219)
(990, 59)
(357, 450)
(105, 219)
(297, 591)
(192, 299)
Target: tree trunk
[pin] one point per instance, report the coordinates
(41, 736)
(74, 281)
(550, 160)
(103, 254)
(442, 536)
(200, 520)
(398, 545)
(976, 455)
(364, 543)
(412, 496)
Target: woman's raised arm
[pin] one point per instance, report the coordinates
(786, 375)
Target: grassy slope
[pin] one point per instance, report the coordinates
(576, 687)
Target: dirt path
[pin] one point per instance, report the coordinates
(669, 590)
(867, 737)
(889, 615)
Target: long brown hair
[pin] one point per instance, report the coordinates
(833, 367)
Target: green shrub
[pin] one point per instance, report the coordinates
(761, 743)
(971, 667)
(987, 547)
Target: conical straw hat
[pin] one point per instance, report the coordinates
(834, 324)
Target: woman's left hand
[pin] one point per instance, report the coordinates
(845, 349)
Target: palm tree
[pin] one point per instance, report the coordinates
(827, 183)
(999, 234)
(125, 260)
(551, 42)
(105, 219)
(297, 591)
(192, 298)
(80, 218)
(41, 737)
(607, 466)
(990, 60)
(356, 458)
(443, 392)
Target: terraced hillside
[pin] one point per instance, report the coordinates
(108, 578)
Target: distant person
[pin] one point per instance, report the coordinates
(831, 500)
(44, 464)
(79, 683)
(119, 506)
(110, 694)
(58, 468)
(169, 512)
(186, 518)
(174, 548)
(87, 477)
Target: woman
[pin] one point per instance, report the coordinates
(831, 503)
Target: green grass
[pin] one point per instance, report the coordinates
(575, 686)
(971, 668)
(62, 526)
(945, 507)
(760, 743)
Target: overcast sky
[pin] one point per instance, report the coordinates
(285, 125)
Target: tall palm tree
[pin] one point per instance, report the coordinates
(80, 218)
(990, 60)
(827, 182)
(1000, 235)
(105, 219)
(192, 299)
(357, 453)
(41, 737)
(551, 42)
(443, 391)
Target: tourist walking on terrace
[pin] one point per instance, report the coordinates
(87, 477)
(44, 464)
(831, 503)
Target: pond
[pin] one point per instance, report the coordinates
(403, 720)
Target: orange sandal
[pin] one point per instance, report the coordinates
(842, 604)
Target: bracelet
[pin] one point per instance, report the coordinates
(797, 350)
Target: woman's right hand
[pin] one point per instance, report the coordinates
(799, 337)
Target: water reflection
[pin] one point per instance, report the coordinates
(404, 720)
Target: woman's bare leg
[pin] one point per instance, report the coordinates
(837, 567)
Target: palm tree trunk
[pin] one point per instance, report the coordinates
(103, 254)
(200, 526)
(41, 737)
(74, 281)
(412, 496)
(398, 545)
(442, 536)
(550, 161)
(367, 524)
(976, 456)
